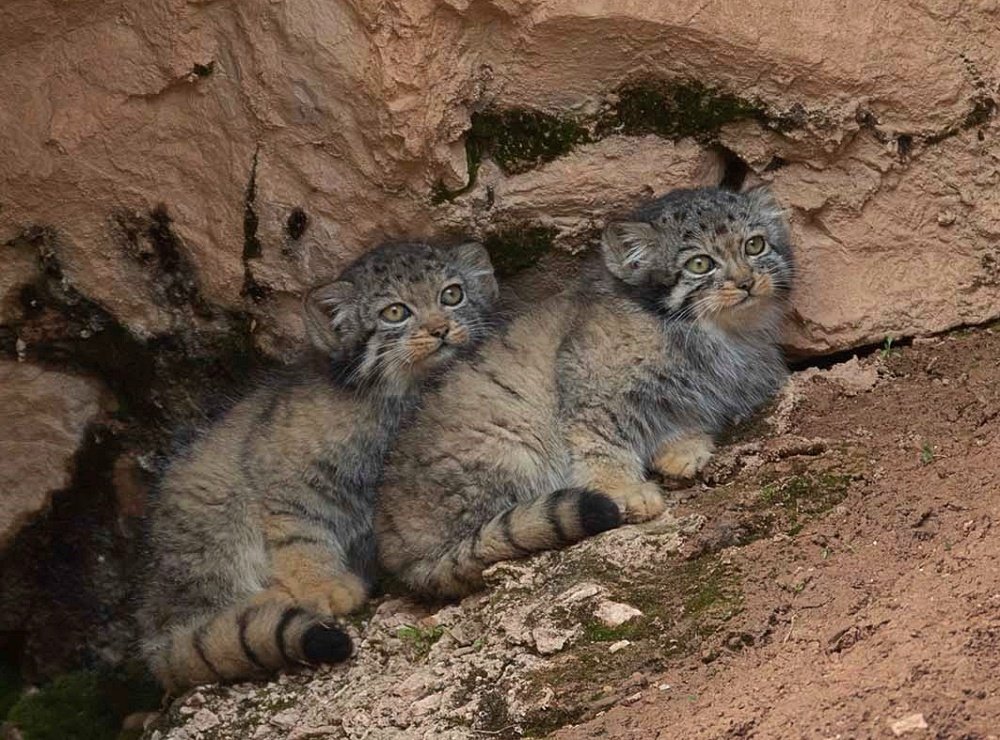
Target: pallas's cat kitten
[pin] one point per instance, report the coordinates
(546, 435)
(262, 529)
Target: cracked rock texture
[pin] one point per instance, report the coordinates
(280, 139)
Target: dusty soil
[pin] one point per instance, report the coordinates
(885, 606)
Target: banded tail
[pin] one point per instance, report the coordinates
(249, 640)
(550, 522)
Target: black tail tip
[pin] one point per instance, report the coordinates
(326, 644)
(598, 513)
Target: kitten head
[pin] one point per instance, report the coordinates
(402, 310)
(708, 255)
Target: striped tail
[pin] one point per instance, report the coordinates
(550, 522)
(250, 640)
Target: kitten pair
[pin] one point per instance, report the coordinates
(541, 437)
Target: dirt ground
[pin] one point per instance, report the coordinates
(871, 608)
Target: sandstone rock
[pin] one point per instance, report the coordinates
(615, 614)
(573, 194)
(17, 268)
(45, 414)
(908, 724)
(617, 646)
(549, 640)
(283, 139)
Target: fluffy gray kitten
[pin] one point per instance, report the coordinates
(546, 435)
(262, 529)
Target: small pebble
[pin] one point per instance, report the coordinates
(620, 645)
(908, 724)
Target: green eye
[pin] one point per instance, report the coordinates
(452, 295)
(755, 246)
(395, 313)
(700, 265)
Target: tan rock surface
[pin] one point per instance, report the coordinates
(353, 111)
(44, 416)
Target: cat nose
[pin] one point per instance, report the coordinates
(438, 329)
(745, 283)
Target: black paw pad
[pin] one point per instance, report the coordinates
(326, 644)
(598, 513)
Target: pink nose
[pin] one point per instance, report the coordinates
(438, 329)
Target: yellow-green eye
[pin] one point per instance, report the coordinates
(700, 265)
(395, 313)
(755, 246)
(452, 295)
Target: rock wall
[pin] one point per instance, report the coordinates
(269, 142)
(173, 173)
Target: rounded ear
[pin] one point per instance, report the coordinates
(763, 201)
(330, 318)
(474, 261)
(627, 247)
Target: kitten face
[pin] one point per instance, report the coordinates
(403, 310)
(707, 255)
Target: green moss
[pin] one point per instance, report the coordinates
(803, 496)
(85, 705)
(547, 721)
(674, 110)
(713, 595)
(419, 640)
(10, 688)
(363, 615)
(809, 493)
(513, 250)
(493, 717)
(598, 632)
(519, 139)
(72, 707)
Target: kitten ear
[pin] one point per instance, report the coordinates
(330, 317)
(763, 200)
(626, 247)
(765, 205)
(474, 261)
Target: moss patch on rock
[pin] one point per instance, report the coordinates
(683, 608)
(517, 248)
(84, 705)
(419, 640)
(520, 139)
(10, 688)
(673, 110)
(800, 497)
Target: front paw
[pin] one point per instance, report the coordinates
(684, 457)
(639, 502)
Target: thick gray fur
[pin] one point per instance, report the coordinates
(262, 529)
(546, 436)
